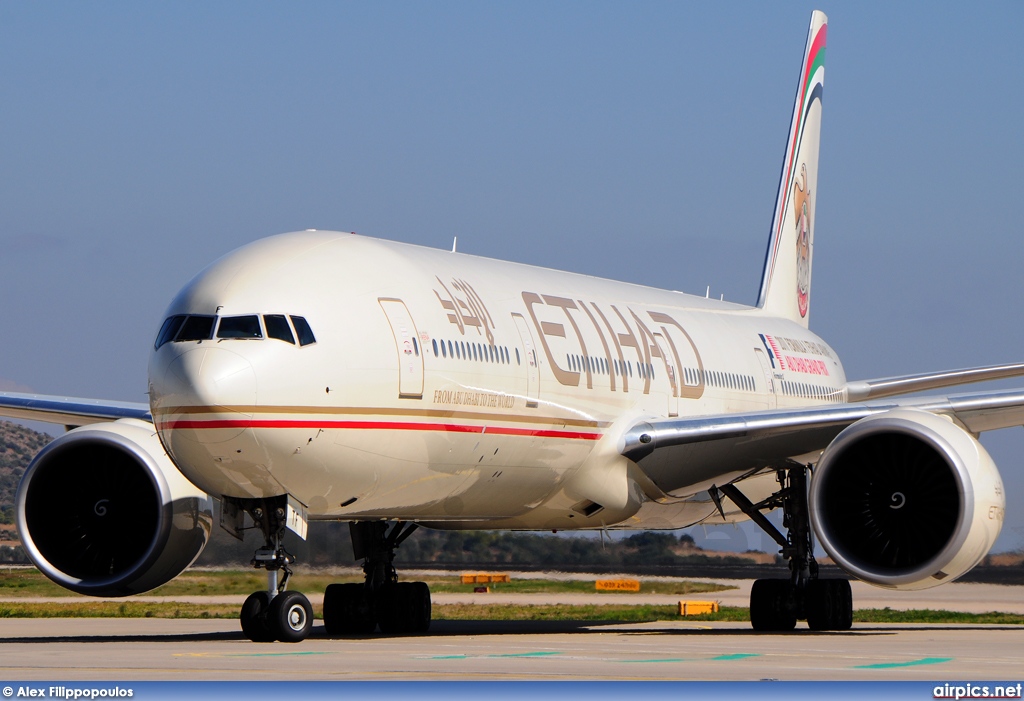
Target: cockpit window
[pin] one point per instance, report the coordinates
(277, 327)
(169, 329)
(196, 328)
(240, 327)
(304, 332)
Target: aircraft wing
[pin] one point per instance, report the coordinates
(675, 453)
(889, 386)
(69, 411)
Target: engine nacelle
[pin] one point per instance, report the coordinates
(103, 511)
(906, 500)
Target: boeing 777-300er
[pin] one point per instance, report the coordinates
(329, 376)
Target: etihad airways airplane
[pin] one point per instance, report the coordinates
(320, 375)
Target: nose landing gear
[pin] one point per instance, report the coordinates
(381, 600)
(777, 604)
(274, 614)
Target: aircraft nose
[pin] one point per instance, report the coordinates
(201, 382)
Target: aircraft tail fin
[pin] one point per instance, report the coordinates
(786, 280)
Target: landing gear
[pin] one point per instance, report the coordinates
(777, 604)
(274, 614)
(381, 600)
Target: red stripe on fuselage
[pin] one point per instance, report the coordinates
(379, 425)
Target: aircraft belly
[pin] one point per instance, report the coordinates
(412, 474)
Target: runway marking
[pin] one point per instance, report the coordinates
(541, 653)
(666, 659)
(735, 656)
(252, 654)
(911, 663)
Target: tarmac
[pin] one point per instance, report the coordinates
(210, 649)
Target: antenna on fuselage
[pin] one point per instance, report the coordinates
(707, 293)
(455, 242)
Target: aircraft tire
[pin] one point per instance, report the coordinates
(419, 609)
(391, 611)
(348, 610)
(768, 605)
(290, 617)
(253, 618)
(829, 604)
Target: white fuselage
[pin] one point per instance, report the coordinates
(456, 390)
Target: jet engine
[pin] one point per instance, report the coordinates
(103, 511)
(906, 500)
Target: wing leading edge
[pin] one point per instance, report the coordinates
(69, 411)
(678, 453)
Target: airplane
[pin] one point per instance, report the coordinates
(322, 375)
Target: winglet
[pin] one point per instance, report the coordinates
(786, 280)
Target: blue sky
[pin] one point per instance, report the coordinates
(639, 141)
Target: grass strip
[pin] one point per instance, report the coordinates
(486, 612)
(30, 582)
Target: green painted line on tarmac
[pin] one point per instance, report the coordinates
(735, 656)
(448, 657)
(543, 653)
(911, 663)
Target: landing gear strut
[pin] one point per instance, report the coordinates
(274, 614)
(381, 600)
(777, 604)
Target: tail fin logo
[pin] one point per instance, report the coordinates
(802, 215)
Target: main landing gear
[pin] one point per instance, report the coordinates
(777, 604)
(381, 600)
(274, 614)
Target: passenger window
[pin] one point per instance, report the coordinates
(240, 327)
(169, 329)
(434, 343)
(196, 328)
(277, 327)
(444, 350)
(518, 362)
(303, 331)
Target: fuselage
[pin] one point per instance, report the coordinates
(373, 379)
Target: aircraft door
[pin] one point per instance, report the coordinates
(410, 355)
(769, 381)
(531, 361)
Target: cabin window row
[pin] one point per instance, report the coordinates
(479, 352)
(715, 378)
(200, 327)
(807, 390)
(602, 366)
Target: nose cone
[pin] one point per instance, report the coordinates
(201, 385)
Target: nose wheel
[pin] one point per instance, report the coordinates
(275, 613)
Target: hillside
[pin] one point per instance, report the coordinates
(18, 445)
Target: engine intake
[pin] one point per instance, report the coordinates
(906, 499)
(103, 511)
